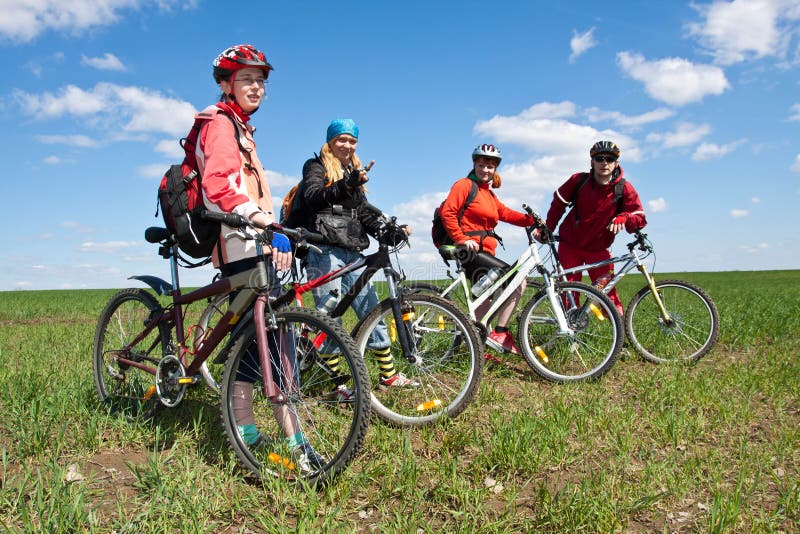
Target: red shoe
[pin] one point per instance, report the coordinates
(491, 358)
(503, 341)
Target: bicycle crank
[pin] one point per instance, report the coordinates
(171, 381)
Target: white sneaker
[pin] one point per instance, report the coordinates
(342, 393)
(398, 380)
(306, 458)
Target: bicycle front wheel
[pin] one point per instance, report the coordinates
(588, 348)
(447, 366)
(315, 425)
(124, 367)
(690, 331)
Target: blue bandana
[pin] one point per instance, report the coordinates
(342, 126)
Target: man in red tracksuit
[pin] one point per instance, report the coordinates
(596, 216)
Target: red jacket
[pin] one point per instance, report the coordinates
(483, 213)
(595, 209)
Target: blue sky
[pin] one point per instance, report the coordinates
(701, 96)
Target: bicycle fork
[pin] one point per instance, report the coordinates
(402, 318)
(558, 306)
(651, 283)
(271, 390)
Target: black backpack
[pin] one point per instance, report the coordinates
(291, 214)
(180, 198)
(438, 232)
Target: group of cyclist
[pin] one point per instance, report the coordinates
(333, 203)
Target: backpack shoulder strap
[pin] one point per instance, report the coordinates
(473, 192)
(619, 188)
(584, 179)
(573, 201)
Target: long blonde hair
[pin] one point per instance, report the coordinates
(333, 167)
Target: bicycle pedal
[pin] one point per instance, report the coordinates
(189, 380)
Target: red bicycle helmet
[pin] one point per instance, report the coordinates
(239, 57)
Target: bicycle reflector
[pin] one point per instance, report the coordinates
(597, 311)
(429, 405)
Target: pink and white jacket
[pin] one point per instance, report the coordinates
(234, 180)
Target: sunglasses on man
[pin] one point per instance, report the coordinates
(604, 159)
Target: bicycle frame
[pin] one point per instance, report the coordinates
(529, 261)
(631, 260)
(371, 264)
(253, 285)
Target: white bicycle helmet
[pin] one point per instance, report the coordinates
(487, 151)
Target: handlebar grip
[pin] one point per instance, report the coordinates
(233, 220)
(298, 234)
(537, 219)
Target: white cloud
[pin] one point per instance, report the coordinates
(107, 62)
(550, 110)
(796, 165)
(170, 148)
(154, 171)
(580, 43)
(739, 213)
(657, 205)
(52, 160)
(795, 113)
(108, 246)
(24, 20)
(72, 140)
(754, 249)
(629, 121)
(686, 133)
(558, 148)
(113, 107)
(542, 129)
(675, 81)
(714, 151)
(755, 200)
(744, 30)
(74, 226)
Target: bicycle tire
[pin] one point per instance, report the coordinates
(691, 334)
(122, 388)
(335, 429)
(451, 354)
(412, 286)
(585, 354)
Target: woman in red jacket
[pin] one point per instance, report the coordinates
(475, 232)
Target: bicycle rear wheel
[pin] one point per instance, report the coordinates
(689, 334)
(585, 353)
(122, 386)
(450, 360)
(325, 385)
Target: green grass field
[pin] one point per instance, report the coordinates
(713, 447)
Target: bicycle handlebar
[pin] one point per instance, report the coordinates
(234, 220)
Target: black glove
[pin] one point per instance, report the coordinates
(394, 235)
(353, 179)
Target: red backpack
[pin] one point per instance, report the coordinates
(180, 198)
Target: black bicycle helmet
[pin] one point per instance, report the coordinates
(605, 147)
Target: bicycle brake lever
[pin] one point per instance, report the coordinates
(237, 233)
